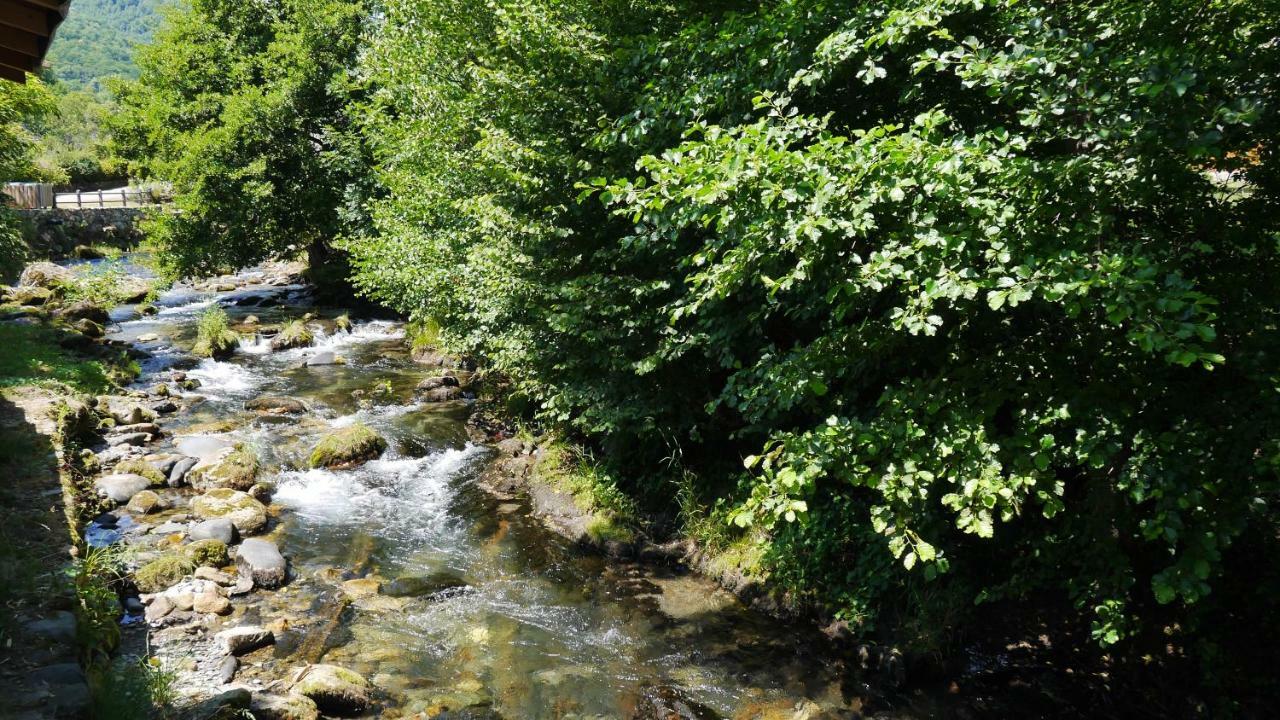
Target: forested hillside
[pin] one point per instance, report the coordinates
(96, 41)
(912, 309)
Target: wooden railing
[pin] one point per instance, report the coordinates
(42, 195)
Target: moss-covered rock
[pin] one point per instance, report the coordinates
(348, 447)
(163, 572)
(335, 690)
(143, 468)
(144, 502)
(214, 338)
(209, 552)
(45, 275)
(248, 515)
(295, 334)
(236, 468)
(342, 323)
(30, 296)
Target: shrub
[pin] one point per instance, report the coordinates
(214, 338)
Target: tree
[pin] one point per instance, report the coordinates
(244, 109)
(21, 108)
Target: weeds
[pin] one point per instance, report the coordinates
(214, 337)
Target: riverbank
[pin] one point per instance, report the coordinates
(304, 512)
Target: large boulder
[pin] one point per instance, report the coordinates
(235, 467)
(276, 405)
(335, 690)
(45, 275)
(30, 296)
(84, 310)
(261, 561)
(247, 515)
(122, 487)
(348, 447)
(125, 411)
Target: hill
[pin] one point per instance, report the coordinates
(97, 40)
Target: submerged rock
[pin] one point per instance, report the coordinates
(276, 405)
(321, 359)
(335, 690)
(247, 515)
(348, 447)
(419, 585)
(666, 703)
(261, 560)
(121, 487)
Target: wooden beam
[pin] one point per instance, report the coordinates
(12, 73)
(21, 16)
(57, 6)
(22, 42)
(13, 58)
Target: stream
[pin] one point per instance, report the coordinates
(540, 629)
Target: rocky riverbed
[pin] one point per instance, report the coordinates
(312, 528)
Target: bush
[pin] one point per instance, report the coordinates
(214, 338)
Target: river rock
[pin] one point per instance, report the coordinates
(178, 474)
(261, 560)
(347, 447)
(84, 310)
(437, 382)
(209, 552)
(335, 690)
(125, 411)
(132, 289)
(284, 707)
(121, 488)
(30, 296)
(159, 607)
(60, 627)
(235, 467)
(230, 704)
(211, 603)
(247, 515)
(666, 703)
(419, 585)
(67, 689)
(214, 575)
(135, 439)
(321, 359)
(144, 502)
(442, 394)
(45, 275)
(276, 405)
(247, 638)
(227, 672)
(220, 529)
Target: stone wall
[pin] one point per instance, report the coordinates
(55, 233)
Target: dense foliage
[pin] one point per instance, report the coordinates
(96, 41)
(951, 301)
(21, 108)
(72, 144)
(243, 108)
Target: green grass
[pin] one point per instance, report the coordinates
(570, 470)
(31, 355)
(213, 336)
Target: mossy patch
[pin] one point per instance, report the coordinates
(347, 447)
(163, 572)
(236, 468)
(613, 515)
(210, 552)
(214, 337)
(294, 334)
(143, 468)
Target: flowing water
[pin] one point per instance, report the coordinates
(541, 630)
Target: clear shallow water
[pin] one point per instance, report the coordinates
(541, 631)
